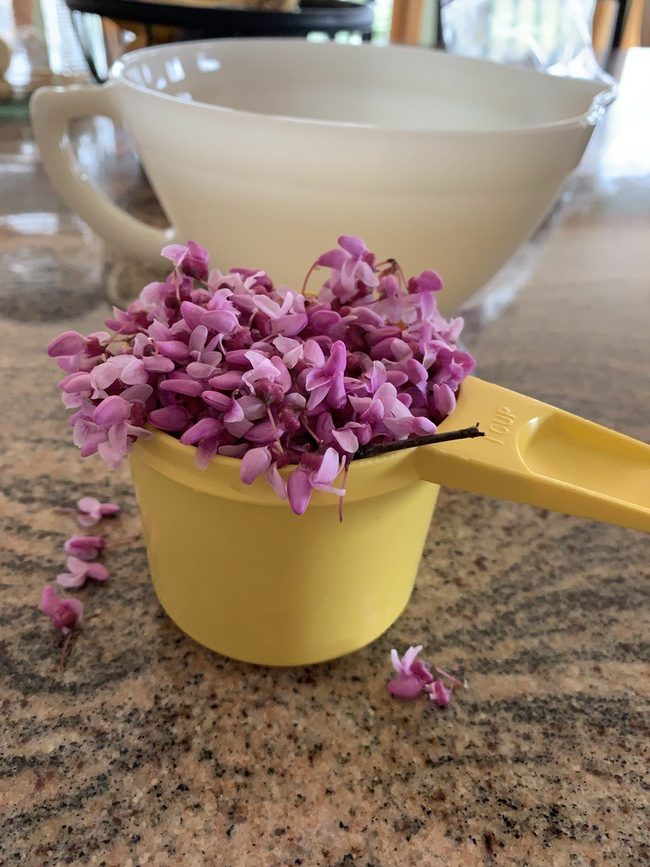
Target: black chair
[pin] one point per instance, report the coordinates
(203, 22)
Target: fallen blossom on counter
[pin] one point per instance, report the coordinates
(84, 547)
(413, 674)
(90, 511)
(65, 614)
(415, 678)
(79, 571)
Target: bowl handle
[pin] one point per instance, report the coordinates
(52, 109)
(537, 454)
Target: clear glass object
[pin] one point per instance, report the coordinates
(38, 46)
(549, 35)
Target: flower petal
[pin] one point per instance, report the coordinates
(217, 400)
(170, 418)
(347, 440)
(71, 580)
(226, 381)
(205, 427)
(134, 372)
(97, 571)
(406, 686)
(158, 364)
(174, 349)
(84, 547)
(409, 657)
(49, 600)
(111, 411)
(192, 313)
(104, 375)
(395, 661)
(299, 491)
(108, 509)
(174, 252)
(182, 385)
(329, 468)
(206, 450)
(254, 463)
(439, 693)
(64, 613)
(443, 398)
(68, 343)
(276, 481)
(421, 671)
(76, 383)
(88, 504)
(235, 413)
(199, 370)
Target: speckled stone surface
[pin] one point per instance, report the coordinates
(149, 749)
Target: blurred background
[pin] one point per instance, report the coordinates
(75, 41)
(63, 41)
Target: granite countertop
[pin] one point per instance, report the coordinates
(149, 749)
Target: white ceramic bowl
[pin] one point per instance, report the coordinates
(266, 150)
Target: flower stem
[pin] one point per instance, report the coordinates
(391, 266)
(125, 540)
(345, 479)
(310, 431)
(371, 450)
(65, 650)
(118, 335)
(275, 429)
(306, 280)
(454, 681)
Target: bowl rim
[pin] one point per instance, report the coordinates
(602, 94)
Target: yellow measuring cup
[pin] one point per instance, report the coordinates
(240, 573)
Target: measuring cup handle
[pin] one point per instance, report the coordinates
(537, 454)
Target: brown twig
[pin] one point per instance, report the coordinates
(392, 266)
(345, 479)
(65, 650)
(454, 681)
(123, 541)
(303, 291)
(372, 450)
